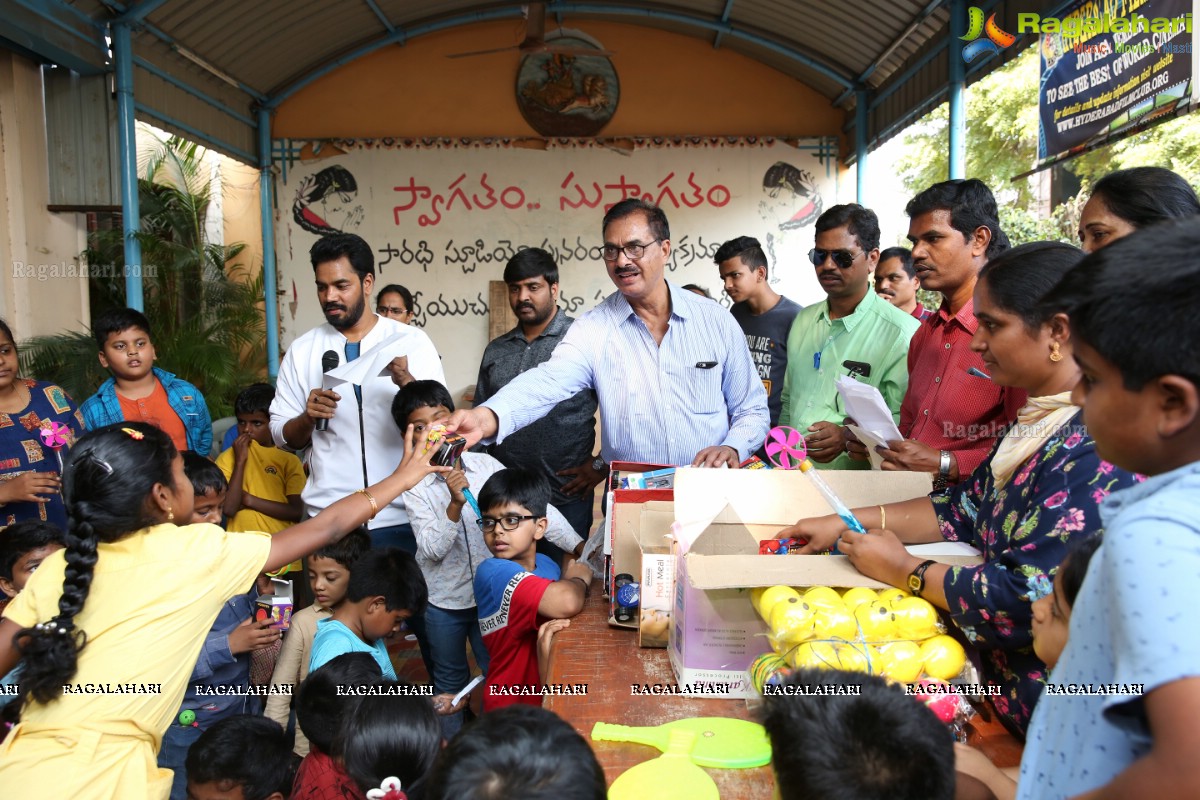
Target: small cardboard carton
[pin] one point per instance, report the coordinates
(277, 607)
(621, 553)
(656, 573)
(721, 515)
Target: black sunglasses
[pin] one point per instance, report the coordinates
(842, 258)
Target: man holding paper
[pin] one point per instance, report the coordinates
(853, 333)
(374, 356)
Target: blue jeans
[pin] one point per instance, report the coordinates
(448, 631)
(173, 755)
(578, 514)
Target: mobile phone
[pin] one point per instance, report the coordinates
(449, 450)
(858, 368)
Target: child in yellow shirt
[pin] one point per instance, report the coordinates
(111, 626)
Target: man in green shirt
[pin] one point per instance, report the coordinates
(854, 332)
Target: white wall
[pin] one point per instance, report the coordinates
(43, 286)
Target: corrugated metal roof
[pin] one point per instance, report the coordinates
(267, 46)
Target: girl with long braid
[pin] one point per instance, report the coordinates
(110, 628)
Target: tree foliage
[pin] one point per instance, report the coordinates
(207, 324)
(1002, 136)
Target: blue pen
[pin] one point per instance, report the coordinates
(978, 373)
(474, 503)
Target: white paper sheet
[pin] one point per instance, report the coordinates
(371, 364)
(874, 423)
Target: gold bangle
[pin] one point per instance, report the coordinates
(882, 517)
(370, 498)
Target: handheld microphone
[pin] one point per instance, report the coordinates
(328, 361)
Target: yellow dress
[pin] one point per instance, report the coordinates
(154, 597)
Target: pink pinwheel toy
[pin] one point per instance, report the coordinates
(56, 436)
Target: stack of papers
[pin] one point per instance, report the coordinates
(874, 425)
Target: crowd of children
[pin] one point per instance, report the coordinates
(146, 571)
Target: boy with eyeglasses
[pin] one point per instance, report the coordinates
(450, 543)
(853, 333)
(519, 588)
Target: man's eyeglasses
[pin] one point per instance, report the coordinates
(632, 250)
(396, 310)
(842, 258)
(509, 523)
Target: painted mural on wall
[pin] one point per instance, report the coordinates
(444, 216)
(567, 95)
(327, 202)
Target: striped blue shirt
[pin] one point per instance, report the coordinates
(657, 405)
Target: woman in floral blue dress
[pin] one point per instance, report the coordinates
(1040, 486)
(30, 472)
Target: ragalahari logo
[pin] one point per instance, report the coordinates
(997, 38)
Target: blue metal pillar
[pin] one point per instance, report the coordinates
(958, 80)
(861, 114)
(122, 44)
(270, 295)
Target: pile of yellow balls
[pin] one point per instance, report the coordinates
(889, 633)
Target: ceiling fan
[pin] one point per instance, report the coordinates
(535, 39)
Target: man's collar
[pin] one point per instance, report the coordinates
(679, 302)
(965, 316)
(860, 311)
(557, 327)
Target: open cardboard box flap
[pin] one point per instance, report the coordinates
(724, 514)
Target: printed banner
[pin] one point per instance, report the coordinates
(444, 216)
(1110, 68)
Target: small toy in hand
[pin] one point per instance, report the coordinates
(56, 436)
(449, 446)
(780, 547)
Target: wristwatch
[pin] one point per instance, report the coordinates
(599, 466)
(916, 578)
(942, 479)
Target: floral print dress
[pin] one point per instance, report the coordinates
(1023, 529)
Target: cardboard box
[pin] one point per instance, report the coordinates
(621, 522)
(722, 514)
(277, 607)
(656, 573)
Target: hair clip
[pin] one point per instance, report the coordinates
(50, 627)
(134, 434)
(388, 790)
(104, 465)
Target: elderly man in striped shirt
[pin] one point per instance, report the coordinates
(672, 372)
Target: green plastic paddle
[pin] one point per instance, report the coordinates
(720, 741)
(671, 776)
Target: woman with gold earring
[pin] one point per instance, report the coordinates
(1040, 487)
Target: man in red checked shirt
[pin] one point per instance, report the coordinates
(950, 417)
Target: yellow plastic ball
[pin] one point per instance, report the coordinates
(944, 658)
(792, 622)
(857, 596)
(915, 618)
(858, 658)
(874, 620)
(771, 596)
(901, 661)
(890, 596)
(823, 596)
(835, 622)
(815, 655)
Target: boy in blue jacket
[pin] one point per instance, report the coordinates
(141, 392)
